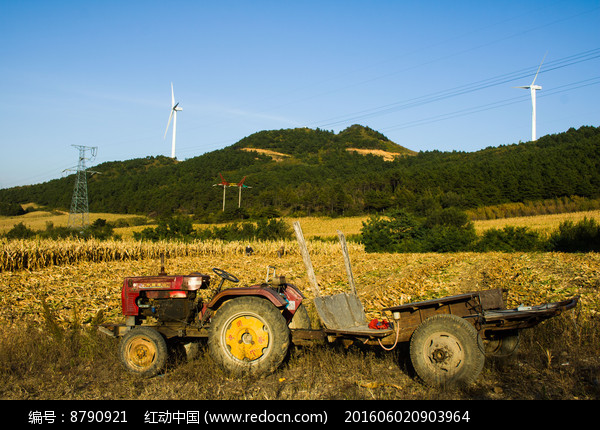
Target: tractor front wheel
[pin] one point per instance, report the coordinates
(143, 351)
(248, 335)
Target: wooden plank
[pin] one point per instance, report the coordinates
(347, 261)
(307, 337)
(306, 258)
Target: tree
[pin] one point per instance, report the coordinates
(399, 231)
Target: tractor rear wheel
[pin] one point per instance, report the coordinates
(248, 335)
(143, 351)
(444, 351)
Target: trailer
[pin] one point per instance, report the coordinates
(449, 338)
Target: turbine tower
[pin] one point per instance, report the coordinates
(174, 109)
(223, 184)
(241, 185)
(533, 88)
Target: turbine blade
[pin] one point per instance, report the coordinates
(172, 96)
(168, 124)
(538, 70)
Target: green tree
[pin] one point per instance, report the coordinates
(399, 231)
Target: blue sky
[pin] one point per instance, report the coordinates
(430, 75)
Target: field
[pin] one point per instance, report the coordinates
(544, 224)
(37, 220)
(52, 294)
(312, 226)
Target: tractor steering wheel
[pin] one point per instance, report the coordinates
(225, 275)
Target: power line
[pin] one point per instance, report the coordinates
(493, 105)
(453, 54)
(464, 89)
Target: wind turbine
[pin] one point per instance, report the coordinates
(241, 185)
(223, 184)
(533, 88)
(174, 109)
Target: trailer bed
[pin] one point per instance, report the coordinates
(525, 316)
(485, 310)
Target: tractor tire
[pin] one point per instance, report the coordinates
(445, 352)
(143, 351)
(248, 335)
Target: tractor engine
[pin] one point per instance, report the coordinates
(166, 298)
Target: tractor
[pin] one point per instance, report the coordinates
(248, 328)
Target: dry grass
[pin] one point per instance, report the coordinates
(544, 224)
(557, 360)
(386, 155)
(87, 274)
(322, 227)
(38, 220)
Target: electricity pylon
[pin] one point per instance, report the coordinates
(79, 215)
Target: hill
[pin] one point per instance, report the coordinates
(316, 172)
(302, 141)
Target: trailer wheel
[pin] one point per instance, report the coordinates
(248, 335)
(143, 351)
(444, 351)
(503, 346)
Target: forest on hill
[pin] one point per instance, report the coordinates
(316, 173)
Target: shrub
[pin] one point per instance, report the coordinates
(444, 230)
(510, 239)
(398, 232)
(445, 238)
(20, 231)
(448, 230)
(581, 237)
(177, 228)
(449, 217)
(271, 229)
(181, 228)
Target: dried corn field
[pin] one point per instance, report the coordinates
(34, 254)
(75, 284)
(81, 280)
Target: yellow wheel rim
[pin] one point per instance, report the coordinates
(247, 338)
(141, 352)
